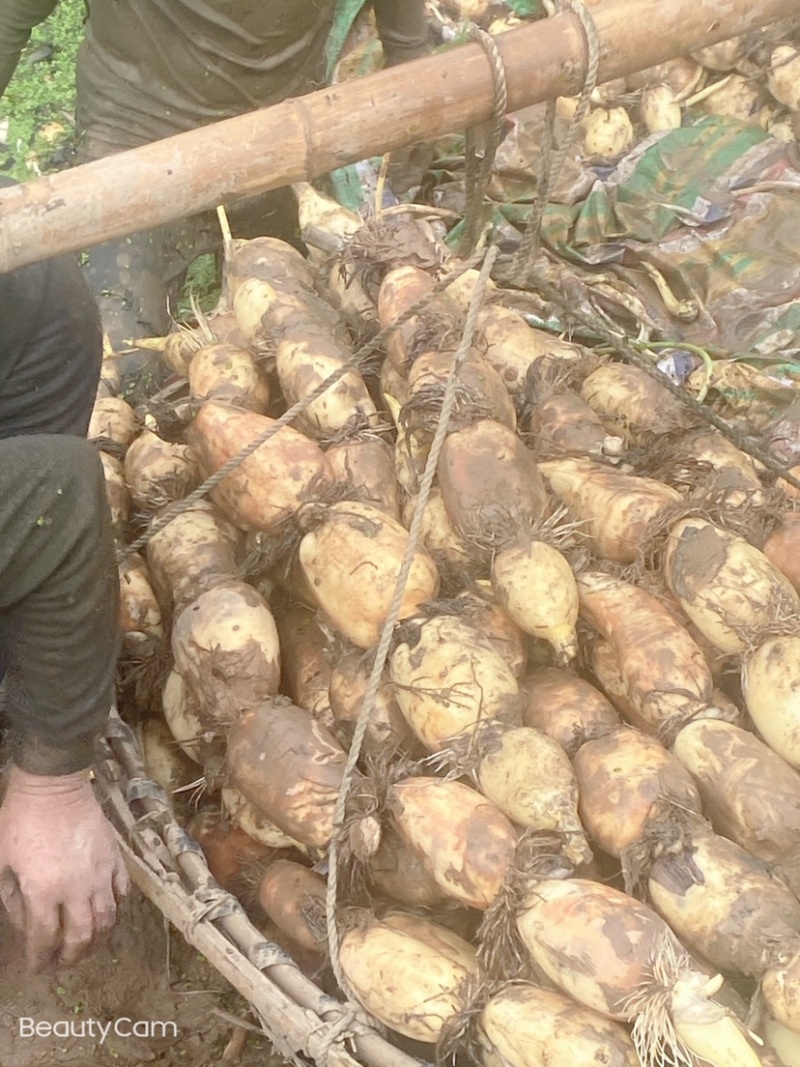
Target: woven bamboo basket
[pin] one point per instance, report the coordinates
(168, 866)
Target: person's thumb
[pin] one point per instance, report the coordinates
(12, 898)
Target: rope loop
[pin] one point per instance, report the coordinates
(550, 164)
(478, 166)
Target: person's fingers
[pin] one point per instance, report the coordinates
(43, 933)
(12, 898)
(104, 911)
(78, 930)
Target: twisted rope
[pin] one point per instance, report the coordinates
(382, 650)
(351, 1022)
(550, 166)
(477, 175)
(360, 356)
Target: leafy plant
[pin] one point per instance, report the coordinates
(37, 126)
(36, 111)
(202, 283)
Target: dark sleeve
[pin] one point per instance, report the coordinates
(58, 600)
(51, 347)
(17, 19)
(403, 29)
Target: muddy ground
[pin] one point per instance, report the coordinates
(145, 973)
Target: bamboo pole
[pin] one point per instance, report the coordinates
(303, 138)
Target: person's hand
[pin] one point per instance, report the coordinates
(61, 872)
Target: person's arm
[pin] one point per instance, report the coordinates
(60, 869)
(58, 600)
(403, 29)
(51, 347)
(17, 19)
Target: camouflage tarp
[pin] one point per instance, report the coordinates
(702, 225)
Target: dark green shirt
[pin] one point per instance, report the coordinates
(151, 68)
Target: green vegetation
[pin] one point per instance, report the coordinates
(39, 102)
(527, 8)
(202, 284)
(37, 124)
(201, 288)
